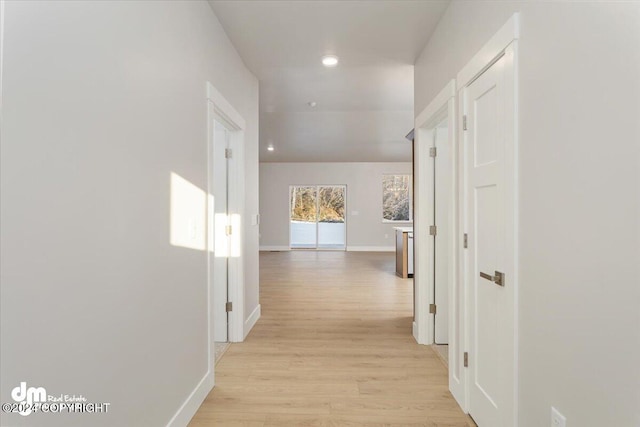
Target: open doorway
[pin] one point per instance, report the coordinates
(317, 217)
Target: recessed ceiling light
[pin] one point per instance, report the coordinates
(270, 148)
(312, 104)
(329, 60)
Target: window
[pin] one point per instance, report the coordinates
(317, 217)
(396, 198)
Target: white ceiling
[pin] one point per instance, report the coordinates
(364, 105)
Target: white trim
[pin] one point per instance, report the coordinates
(188, 409)
(414, 331)
(251, 320)
(274, 248)
(371, 248)
(441, 107)
(224, 108)
(514, 190)
(427, 115)
(490, 52)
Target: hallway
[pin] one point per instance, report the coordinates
(333, 348)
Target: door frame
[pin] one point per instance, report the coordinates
(291, 186)
(442, 106)
(218, 108)
(504, 42)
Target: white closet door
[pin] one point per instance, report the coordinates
(489, 106)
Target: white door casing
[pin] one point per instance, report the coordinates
(489, 107)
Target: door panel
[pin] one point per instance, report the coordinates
(491, 307)
(486, 126)
(486, 307)
(221, 240)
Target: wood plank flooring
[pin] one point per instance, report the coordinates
(333, 348)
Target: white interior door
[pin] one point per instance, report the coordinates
(443, 215)
(488, 103)
(221, 240)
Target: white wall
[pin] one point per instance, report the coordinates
(101, 102)
(579, 198)
(364, 195)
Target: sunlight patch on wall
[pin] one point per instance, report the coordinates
(221, 240)
(188, 214)
(226, 238)
(235, 237)
(210, 223)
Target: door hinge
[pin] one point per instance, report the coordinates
(433, 151)
(228, 230)
(464, 122)
(227, 153)
(229, 306)
(432, 309)
(433, 230)
(466, 359)
(465, 241)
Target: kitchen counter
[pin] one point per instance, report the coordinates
(404, 251)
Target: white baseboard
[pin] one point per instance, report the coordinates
(188, 409)
(251, 321)
(275, 248)
(371, 248)
(414, 331)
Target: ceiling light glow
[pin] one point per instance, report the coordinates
(329, 60)
(270, 148)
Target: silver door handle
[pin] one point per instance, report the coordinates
(498, 279)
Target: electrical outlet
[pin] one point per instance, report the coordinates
(386, 236)
(557, 419)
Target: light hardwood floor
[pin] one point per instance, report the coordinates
(333, 348)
